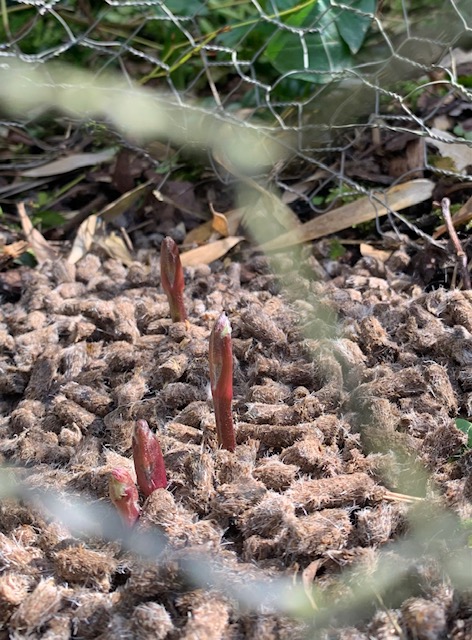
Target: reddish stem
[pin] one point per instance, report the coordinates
(124, 495)
(172, 279)
(148, 459)
(221, 381)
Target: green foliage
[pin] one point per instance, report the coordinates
(336, 249)
(335, 35)
(46, 219)
(271, 41)
(342, 195)
(462, 133)
(466, 427)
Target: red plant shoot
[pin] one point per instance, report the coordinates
(148, 460)
(221, 381)
(172, 279)
(124, 495)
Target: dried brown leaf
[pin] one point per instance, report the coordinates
(203, 233)
(116, 248)
(69, 163)
(83, 240)
(368, 251)
(209, 252)
(398, 197)
(450, 146)
(41, 247)
(219, 223)
(124, 202)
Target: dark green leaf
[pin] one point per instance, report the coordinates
(48, 219)
(353, 26)
(322, 48)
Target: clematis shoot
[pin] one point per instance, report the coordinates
(124, 495)
(172, 279)
(148, 460)
(221, 381)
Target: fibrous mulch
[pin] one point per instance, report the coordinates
(345, 395)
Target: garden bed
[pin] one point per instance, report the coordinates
(346, 393)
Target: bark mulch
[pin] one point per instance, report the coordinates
(345, 399)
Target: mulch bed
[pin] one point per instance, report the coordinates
(345, 395)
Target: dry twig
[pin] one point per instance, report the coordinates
(460, 253)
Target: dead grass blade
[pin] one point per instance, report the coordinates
(399, 197)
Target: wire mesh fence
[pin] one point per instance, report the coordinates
(359, 95)
(332, 80)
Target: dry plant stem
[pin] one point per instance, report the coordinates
(124, 495)
(172, 279)
(148, 460)
(221, 381)
(460, 253)
(401, 497)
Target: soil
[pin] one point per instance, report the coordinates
(346, 392)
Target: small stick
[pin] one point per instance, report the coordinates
(148, 459)
(221, 381)
(172, 279)
(124, 495)
(460, 253)
(401, 497)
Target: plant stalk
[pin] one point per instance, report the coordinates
(148, 459)
(124, 495)
(221, 381)
(172, 279)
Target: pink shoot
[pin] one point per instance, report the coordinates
(124, 495)
(172, 279)
(148, 460)
(221, 381)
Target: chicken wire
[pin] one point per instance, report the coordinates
(411, 49)
(276, 64)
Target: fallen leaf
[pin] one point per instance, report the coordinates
(116, 248)
(10, 252)
(204, 232)
(450, 146)
(219, 222)
(180, 195)
(14, 189)
(209, 252)
(200, 234)
(83, 240)
(125, 202)
(368, 251)
(398, 197)
(69, 163)
(41, 247)
(14, 250)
